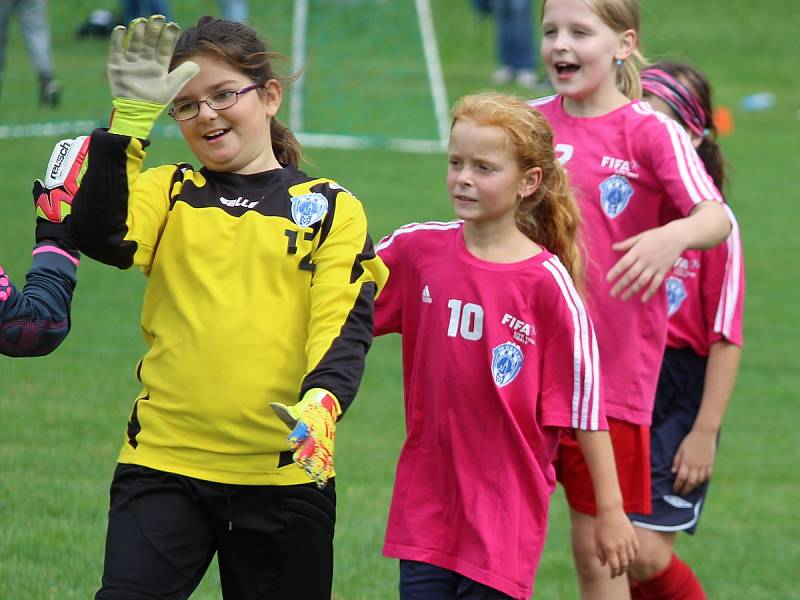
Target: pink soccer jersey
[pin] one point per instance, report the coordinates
(632, 169)
(705, 296)
(496, 358)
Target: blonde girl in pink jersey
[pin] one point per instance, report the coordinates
(645, 198)
(498, 357)
(705, 293)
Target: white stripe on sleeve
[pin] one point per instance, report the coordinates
(412, 227)
(585, 375)
(730, 297)
(693, 176)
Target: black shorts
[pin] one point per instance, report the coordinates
(164, 529)
(678, 397)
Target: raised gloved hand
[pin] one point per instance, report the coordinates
(52, 197)
(138, 73)
(313, 425)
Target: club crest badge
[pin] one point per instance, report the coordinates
(506, 363)
(309, 208)
(615, 193)
(676, 294)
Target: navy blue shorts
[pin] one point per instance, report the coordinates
(423, 581)
(678, 397)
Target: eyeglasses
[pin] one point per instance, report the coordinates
(183, 111)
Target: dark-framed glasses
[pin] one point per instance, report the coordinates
(183, 111)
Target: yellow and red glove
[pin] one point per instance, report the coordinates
(313, 425)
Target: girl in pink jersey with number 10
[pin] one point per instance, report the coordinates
(705, 295)
(498, 356)
(645, 198)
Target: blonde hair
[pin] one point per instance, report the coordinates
(621, 15)
(550, 215)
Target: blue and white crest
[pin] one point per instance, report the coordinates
(676, 294)
(615, 193)
(506, 363)
(309, 208)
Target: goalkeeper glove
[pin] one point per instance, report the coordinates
(52, 198)
(138, 73)
(313, 425)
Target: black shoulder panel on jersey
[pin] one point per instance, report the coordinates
(367, 253)
(327, 222)
(177, 177)
(342, 366)
(100, 208)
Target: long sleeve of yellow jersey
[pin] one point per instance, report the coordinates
(347, 275)
(119, 212)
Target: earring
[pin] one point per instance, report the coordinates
(618, 62)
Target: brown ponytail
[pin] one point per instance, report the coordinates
(550, 217)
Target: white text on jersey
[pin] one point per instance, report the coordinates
(244, 202)
(522, 332)
(619, 165)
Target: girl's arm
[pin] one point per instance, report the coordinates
(615, 537)
(35, 320)
(116, 219)
(650, 254)
(346, 276)
(694, 461)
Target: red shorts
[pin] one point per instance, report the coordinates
(631, 445)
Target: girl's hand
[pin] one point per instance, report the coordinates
(694, 460)
(138, 61)
(615, 540)
(139, 76)
(648, 258)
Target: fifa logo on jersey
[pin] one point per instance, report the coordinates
(521, 331)
(506, 363)
(309, 208)
(619, 165)
(615, 193)
(676, 294)
(686, 267)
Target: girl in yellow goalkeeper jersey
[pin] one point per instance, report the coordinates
(257, 314)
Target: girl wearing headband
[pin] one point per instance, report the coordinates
(645, 198)
(705, 297)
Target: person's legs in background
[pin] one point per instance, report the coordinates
(35, 28)
(515, 42)
(6, 7)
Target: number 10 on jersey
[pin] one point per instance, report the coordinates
(465, 319)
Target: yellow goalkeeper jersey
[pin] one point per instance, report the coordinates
(260, 287)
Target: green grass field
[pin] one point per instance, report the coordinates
(62, 418)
